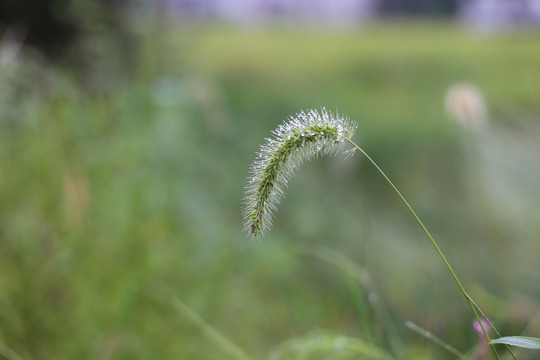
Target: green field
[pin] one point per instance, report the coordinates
(121, 191)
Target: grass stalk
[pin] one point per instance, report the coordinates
(434, 243)
(492, 326)
(8, 353)
(435, 339)
(220, 340)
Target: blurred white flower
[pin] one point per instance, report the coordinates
(465, 103)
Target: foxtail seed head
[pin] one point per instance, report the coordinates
(301, 138)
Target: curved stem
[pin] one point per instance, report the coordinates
(439, 251)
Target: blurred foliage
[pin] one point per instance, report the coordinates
(122, 193)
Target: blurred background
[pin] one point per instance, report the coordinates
(126, 133)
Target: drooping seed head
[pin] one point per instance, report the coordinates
(304, 136)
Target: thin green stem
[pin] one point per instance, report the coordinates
(224, 343)
(435, 339)
(439, 251)
(484, 316)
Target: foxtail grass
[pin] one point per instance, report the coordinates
(303, 137)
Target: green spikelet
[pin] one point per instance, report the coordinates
(307, 135)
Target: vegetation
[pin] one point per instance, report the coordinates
(121, 186)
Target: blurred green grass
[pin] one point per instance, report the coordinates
(117, 198)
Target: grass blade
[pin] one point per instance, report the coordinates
(519, 341)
